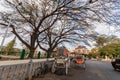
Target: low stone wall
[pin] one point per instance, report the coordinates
(20, 69)
(108, 60)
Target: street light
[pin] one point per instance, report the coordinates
(6, 32)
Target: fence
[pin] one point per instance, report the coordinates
(19, 69)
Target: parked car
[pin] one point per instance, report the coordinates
(116, 63)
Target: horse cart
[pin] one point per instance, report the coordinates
(79, 60)
(61, 62)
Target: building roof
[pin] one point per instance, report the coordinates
(79, 47)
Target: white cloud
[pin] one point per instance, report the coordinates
(1, 6)
(103, 28)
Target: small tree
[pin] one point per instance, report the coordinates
(94, 53)
(101, 40)
(9, 47)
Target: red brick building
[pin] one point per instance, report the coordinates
(61, 51)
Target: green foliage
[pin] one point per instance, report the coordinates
(0, 57)
(39, 54)
(111, 50)
(22, 56)
(108, 46)
(94, 53)
(101, 40)
(9, 47)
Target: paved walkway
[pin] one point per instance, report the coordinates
(12, 62)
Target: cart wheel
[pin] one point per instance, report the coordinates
(53, 68)
(66, 69)
(84, 66)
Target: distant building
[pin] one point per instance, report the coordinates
(61, 51)
(81, 50)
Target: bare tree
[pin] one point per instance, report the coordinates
(64, 31)
(30, 16)
(27, 20)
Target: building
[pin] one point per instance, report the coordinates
(62, 51)
(81, 50)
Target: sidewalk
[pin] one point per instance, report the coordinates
(48, 76)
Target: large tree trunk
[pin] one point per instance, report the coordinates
(31, 54)
(49, 53)
(32, 47)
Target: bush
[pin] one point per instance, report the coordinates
(0, 57)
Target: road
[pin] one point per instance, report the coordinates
(95, 70)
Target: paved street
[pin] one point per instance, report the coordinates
(96, 70)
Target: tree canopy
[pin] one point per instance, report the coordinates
(111, 50)
(31, 19)
(107, 46)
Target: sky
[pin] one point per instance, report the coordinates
(1, 7)
(8, 39)
(101, 28)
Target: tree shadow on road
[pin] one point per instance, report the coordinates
(117, 70)
(79, 67)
